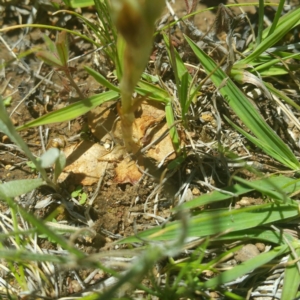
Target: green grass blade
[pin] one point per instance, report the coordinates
(221, 221)
(106, 31)
(19, 256)
(177, 63)
(101, 79)
(291, 278)
(272, 70)
(184, 81)
(7, 127)
(72, 111)
(259, 234)
(281, 95)
(49, 58)
(59, 165)
(49, 43)
(107, 38)
(285, 24)
(277, 16)
(40, 26)
(16, 188)
(91, 297)
(245, 110)
(273, 191)
(183, 94)
(246, 267)
(152, 92)
(216, 196)
(62, 47)
(173, 131)
(121, 44)
(269, 68)
(43, 229)
(261, 13)
(81, 3)
(285, 184)
(289, 162)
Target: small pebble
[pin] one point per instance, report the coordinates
(14, 121)
(195, 191)
(260, 246)
(5, 139)
(247, 252)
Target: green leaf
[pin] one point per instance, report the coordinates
(150, 78)
(184, 81)
(49, 43)
(49, 157)
(16, 188)
(102, 80)
(59, 165)
(281, 95)
(175, 163)
(177, 62)
(285, 184)
(273, 152)
(7, 101)
(274, 191)
(269, 67)
(81, 3)
(257, 234)
(62, 47)
(183, 91)
(291, 276)
(246, 112)
(173, 131)
(152, 91)
(121, 45)
(72, 111)
(49, 58)
(8, 128)
(77, 191)
(285, 24)
(19, 256)
(246, 267)
(83, 198)
(43, 229)
(220, 221)
(277, 16)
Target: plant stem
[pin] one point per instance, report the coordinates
(260, 21)
(73, 83)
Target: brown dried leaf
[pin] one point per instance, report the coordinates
(101, 121)
(162, 150)
(86, 162)
(148, 126)
(127, 172)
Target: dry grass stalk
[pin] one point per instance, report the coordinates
(134, 20)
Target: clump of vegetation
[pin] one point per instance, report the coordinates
(199, 250)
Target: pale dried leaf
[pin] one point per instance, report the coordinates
(127, 172)
(86, 162)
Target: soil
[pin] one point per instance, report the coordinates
(119, 208)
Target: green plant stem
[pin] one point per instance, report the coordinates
(277, 16)
(52, 28)
(22, 277)
(260, 21)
